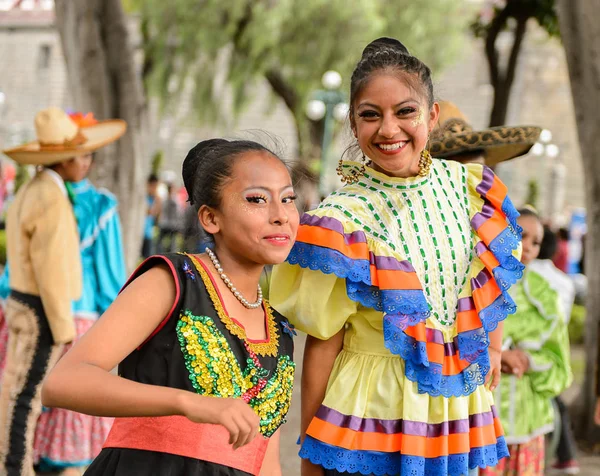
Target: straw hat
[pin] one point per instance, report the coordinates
(61, 137)
(454, 135)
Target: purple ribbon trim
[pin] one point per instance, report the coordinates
(483, 277)
(481, 248)
(466, 304)
(386, 262)
(481, 217)
(487, 180)
(334, 225)
(406, 427)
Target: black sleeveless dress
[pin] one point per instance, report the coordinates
(199, 348)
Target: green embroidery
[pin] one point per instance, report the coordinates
(214, 371)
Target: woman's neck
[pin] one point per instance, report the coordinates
(412, 172)
(244, 274)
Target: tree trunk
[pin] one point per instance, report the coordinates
(502, 79)
(580, 32)
(103, 79)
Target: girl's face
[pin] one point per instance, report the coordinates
(76, 169)
(257, 220)
(392, 123)
(533, 232)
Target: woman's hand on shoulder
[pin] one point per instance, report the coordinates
(234, 414)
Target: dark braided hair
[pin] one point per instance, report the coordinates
(388, 54)
(209, 164)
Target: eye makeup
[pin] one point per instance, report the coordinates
(420, 119)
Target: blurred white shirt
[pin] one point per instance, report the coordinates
(559, 281)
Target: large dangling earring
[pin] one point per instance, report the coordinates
(425, 161)
(354, 174)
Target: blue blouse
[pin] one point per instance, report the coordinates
(101, 246)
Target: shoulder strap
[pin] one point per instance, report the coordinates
(172, 261)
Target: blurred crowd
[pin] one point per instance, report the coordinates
(171, 224)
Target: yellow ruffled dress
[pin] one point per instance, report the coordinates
(417, 271)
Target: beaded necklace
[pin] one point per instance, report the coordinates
(267, 348)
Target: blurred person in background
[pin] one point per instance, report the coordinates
(169, 222)
(154, 206)
(563, 284)
(561, 256)
(68, 441)
(535, 361)
(44, 255)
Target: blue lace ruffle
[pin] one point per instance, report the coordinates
(407, 306)
(379, 463)
(330, 261)
(496, 312)
(402, 307)
(503, 246)
(400, 343)
(471, 344)
(511, 213)
(431, 381)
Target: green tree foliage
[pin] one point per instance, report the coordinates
(509, 15)
(157, 162)
(543, 11)
(533, 193)
(290, 44)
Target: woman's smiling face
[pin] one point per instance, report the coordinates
(392, 123)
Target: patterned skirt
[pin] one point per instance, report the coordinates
(64, 438)
(526, 459)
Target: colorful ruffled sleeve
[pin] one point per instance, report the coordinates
(497, 246)
(311, 289)
(313, 302)
(340, 241)
(339, 260)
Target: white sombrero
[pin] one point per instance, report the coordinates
(61, 137)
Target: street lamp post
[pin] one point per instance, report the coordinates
(555, 195)
(327, 104)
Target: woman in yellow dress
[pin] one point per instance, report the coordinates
(400, 278)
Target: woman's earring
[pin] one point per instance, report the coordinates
(425, 161)
(354, 174)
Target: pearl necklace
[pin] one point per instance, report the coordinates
(229, 284)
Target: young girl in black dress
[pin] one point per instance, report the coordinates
(205, 364)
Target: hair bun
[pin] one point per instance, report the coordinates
(385, 43)
(198, 154)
